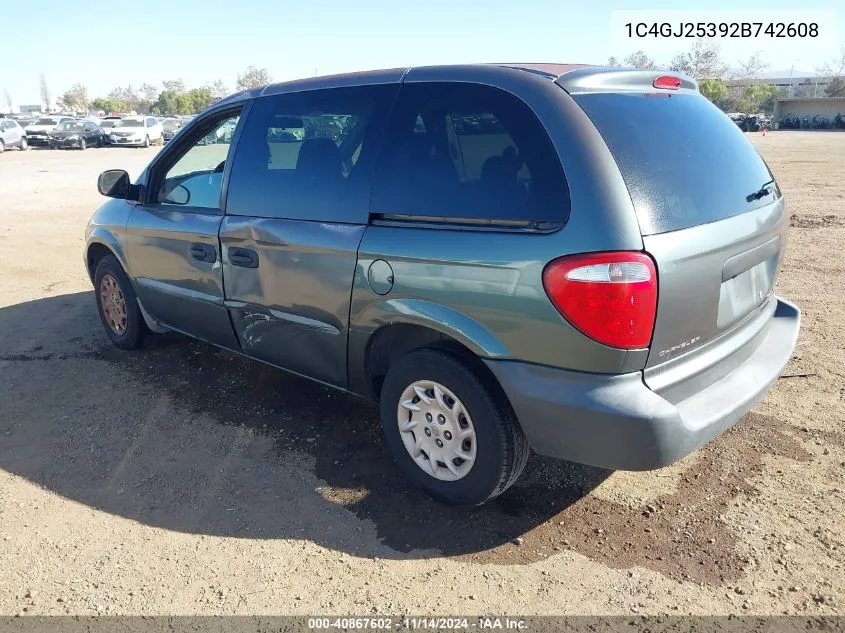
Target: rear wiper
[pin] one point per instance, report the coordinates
(762, 192)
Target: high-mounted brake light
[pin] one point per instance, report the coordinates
(610, 297)
(667, 82)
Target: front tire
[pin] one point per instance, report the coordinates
(146, 141)
(2, 146)
(24, 145)
(82, 144)
(117, 304)
(450, 431)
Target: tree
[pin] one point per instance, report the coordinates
(751, 68)
(716, 91)
(199, 99)
(612, 61)
(107, 105)
(46, 96)
(75, 99)
(168, 102)
(147, 96)
(190, 102)
(638, 59)
(834, 70)
(218, 89)
(174, 85)
(755, 95)
(253, 78)
(703, 61)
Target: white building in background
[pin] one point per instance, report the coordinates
(821, 107)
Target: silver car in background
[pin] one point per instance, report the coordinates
(12, 135)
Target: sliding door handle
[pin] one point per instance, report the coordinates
(243, 257)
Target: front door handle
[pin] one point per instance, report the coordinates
(203, 252)
(243, 257)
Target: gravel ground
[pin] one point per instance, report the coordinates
(181, 480)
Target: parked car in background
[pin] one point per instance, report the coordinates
(140, 131)
(170, 127)
(38, 132)
(76, 135)
(506, 258)
(12, 135)
(107, 124)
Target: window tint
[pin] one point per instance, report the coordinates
(195, 177)
(310, 155)
(466, 152)
(684, 162)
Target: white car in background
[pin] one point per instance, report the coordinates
(11, 135)
(38, 132)
(141, 131)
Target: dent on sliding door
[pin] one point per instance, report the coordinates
(297, 207)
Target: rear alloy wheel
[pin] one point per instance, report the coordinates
(24, 145)
(117, 305)
(451, 432)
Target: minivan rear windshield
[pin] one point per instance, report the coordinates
(684, 162)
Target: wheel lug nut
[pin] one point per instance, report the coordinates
(428, 417)
(447, 435)
(441, 419)
(428, 432)
(439, 443)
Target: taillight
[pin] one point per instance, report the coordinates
(667, 82)
(610, 297)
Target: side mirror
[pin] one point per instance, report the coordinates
(115, 183)
(178, 195)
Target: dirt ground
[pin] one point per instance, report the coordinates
(180, 480)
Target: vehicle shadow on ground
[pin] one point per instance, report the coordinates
(183, 436)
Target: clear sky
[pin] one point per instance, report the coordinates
(103, 44)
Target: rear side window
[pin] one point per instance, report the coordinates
(465, 152)
(683, 161)
(310, 155)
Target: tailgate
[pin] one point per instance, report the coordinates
(711, 217)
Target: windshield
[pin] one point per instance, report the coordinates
(172, 124)
(683, 161)
(108, 123)
(45, 122)
(69, 125)
(130, 123)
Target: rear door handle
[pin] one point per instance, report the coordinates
(243, 257)
(203, 252)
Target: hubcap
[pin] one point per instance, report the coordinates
(114, 304)
(436, 430)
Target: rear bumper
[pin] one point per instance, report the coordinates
(617, 422)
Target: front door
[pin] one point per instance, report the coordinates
(296, 209)
(172, 236)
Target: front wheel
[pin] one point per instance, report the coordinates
(146, 141)
(449, 430)
(2, 146)
(82, 144)
(24, 145)
(117, 305)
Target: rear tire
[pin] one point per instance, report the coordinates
(126, 328)
(498, 447)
